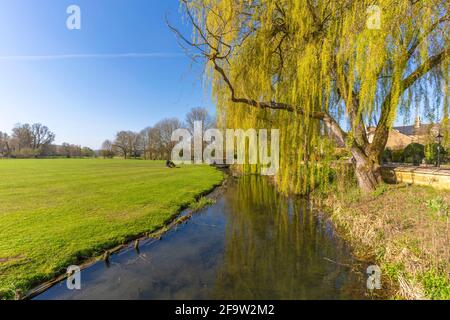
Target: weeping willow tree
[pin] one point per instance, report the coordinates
(324, 72)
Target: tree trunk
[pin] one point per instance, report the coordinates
(367, 170)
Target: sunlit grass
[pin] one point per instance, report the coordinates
(54, 213)
(405, 228)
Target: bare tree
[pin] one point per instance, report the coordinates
(199, 114)
(164, 129)
(144, 142)
(107, 150)
(22, 137)
(126, 143)
(137, 145)
(69, 150)
(31, 140)
(41, 136)
(5, 149)
(154, 144)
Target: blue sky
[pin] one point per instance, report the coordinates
(78, 83)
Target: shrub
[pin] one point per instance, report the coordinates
(387, 156)
(414, 153)
(438, 206)
(431, 153)
(342, 178)
(397, 156)
(26, 153)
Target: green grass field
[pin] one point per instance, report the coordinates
(54, 213)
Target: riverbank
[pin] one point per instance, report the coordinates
(55, 213)
(252, 243)
(204, 199)
(405, 229)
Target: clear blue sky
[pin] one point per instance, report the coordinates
(79, 83)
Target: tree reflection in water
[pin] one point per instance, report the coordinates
(276, 248)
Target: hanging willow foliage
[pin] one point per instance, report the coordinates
(322, 71)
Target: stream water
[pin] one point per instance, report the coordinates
(253, 243)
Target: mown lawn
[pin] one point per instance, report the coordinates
(56, 212)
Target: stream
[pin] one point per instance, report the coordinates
(253, 243)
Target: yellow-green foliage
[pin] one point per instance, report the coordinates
(318, 56)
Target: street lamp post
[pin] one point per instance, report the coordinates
(439, 140)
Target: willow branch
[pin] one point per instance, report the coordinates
(213, 56)
(328, 120)
(381, 133)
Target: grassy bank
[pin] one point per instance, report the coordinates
(54, 213)
(405, 230)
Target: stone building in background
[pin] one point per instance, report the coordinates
(400, 137)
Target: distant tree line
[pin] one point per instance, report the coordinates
(153, 143)
(36, 141)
